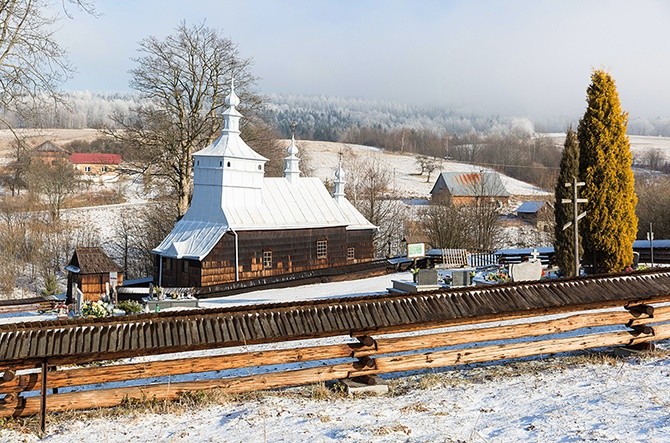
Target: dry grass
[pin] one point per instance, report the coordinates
(95, 199)
(414, 407)
(391, 429)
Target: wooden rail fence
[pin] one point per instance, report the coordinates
(30, 387)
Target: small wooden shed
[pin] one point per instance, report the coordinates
(93, 272)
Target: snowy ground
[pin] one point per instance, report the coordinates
(546, 402)
(324, 157)
(567, 398)
(639, 144)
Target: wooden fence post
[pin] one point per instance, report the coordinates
(43, 403)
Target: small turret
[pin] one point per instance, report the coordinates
(338, 192)
(291, 163)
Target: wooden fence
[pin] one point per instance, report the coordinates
(29, 388)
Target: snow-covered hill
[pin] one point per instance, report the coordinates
(323, 157)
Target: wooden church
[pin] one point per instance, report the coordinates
(242, 225)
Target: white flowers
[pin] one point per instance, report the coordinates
(96, 309)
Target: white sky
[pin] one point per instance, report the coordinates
(520, 57)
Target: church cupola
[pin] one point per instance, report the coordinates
(231, 116)
(338, 192)
(228, 170)
(291, 163)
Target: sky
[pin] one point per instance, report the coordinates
(528, 58)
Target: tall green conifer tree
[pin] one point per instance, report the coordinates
(564, 239)
(605, 160)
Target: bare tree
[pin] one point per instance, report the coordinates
(182, 80)
(53, 182)
(14, 174)
(445, 224)
(32, 63)
(370, 193)
(654, 159)
(653, 205)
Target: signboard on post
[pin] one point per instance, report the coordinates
(113, 279)
(416, 250)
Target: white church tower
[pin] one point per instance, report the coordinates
(227, 172)
(338, 192)
(291, 163)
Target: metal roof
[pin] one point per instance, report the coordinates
(471, 184)
(640, 244)
(230, 145)
(95, 158)
(305, 203)
(530, 207)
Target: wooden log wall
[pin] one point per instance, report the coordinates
(358, 356)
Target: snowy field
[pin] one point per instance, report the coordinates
(535, 401)
(568, 398)
(639, 144)
(323, 158)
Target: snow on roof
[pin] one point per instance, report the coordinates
(471, 184)
(530, 207)
(191, 239)
(230, 145)
(94, 158)
(353, 216)
(305, 203)
(50, 147)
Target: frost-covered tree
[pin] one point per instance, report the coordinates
(605, 161)
(563, 213)
(32, 63)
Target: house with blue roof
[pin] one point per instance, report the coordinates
(537, 213)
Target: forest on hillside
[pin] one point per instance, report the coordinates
(326, 118)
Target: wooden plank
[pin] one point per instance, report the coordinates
(113, 397)
(150, 370)
(104, 339)
(442, 359)
(42, 343)
(534, 329)
(112, 338)
(210, 331)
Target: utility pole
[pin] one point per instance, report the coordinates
(576, 217)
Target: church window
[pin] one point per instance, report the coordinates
(322, 249)
(267, 259)
(260, 167)
(220, 163)
(228, 164)
(351, 253)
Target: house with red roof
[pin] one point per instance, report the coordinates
(92, 163)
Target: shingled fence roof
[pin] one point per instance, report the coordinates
(209, 328)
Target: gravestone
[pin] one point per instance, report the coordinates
(461, 278)
(426, 277)
(527, 271)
